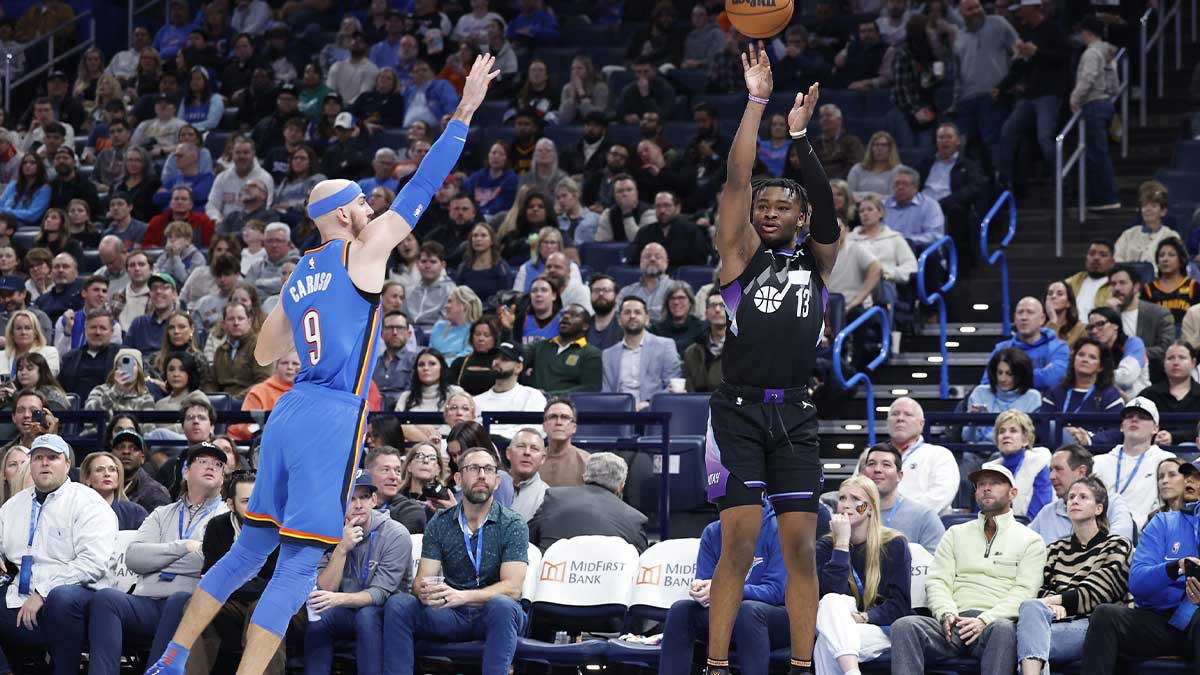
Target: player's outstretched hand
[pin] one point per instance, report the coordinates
(756, 68)
(802, 111)
(481, 75)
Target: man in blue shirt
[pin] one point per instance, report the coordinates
(382, 165)
(1048, 354)
(1163, 622)
(762, 620)
(428, 98)
(914, 215)
(474, 557)
(147, 331)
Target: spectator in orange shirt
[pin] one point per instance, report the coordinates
(263, 395)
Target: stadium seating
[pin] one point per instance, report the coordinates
(597, 402)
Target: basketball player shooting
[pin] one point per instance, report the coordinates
(329, 313)
(762, 423)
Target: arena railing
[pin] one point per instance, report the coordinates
(998, 256)
(29, 49)
(938, 299)
(1111, 419)
(863, 375)
(1148, 41)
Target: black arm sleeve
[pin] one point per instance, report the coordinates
(822, 226)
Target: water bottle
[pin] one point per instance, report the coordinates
(561, 638)
(312, 616)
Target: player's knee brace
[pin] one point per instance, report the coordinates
(295, 575)
(247, 556)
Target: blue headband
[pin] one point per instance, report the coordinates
(334, 201)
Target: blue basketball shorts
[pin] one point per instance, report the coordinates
(309, 454)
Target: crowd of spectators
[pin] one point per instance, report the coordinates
(152, 207)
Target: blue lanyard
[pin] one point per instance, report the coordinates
(1086, 395)
(1132, 474)
(912, 451)
(366, 565)
(35, 517)
(857, 581)
(187, 534)
(477, 556)
(892, 511)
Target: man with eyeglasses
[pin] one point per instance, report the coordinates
(371, 563)
(564, 463)
(474, 557)
(199, 418)
(598, 184)
(166, 555)
(386, 466)
(394, 367)
(702, 358)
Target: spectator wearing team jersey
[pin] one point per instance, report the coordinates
(535, 320)
(508, 395)
(1173, 289)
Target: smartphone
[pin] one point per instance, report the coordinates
(127, 365)
(435, 491)
(1191, 568)
(38, 416)
(5, 379)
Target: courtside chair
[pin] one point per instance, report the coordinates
(664, 576)
(579, 579)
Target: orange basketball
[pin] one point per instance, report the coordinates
(759, 18)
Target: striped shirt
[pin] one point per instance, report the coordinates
(1088, 575)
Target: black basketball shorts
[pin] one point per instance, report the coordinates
(763, 440)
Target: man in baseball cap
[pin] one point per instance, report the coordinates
(1131, 468)
(999, 564)
(508, 395)
(59, 535)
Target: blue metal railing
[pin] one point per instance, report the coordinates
(863, 376)
(938, 297)
(998, 255)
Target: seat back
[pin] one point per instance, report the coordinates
(586, 402)
(123, 579)
(587, 571)
(601, 255)
(689, 413)
(921, 561)
(695, 276)
(219, 400)
(949, 520)
(664, 574)
(624, 275)
(531, 574)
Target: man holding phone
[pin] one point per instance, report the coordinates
(31, 417)
(1164, 579)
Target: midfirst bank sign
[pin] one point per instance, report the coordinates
(667, 575)
(578, 571)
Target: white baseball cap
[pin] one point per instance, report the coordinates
(1145, 405)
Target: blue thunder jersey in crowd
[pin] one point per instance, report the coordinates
(334, 324)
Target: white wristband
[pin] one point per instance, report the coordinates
(797, 135)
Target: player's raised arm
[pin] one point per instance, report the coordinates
(382, 234)
(736, 240)
(823, 230)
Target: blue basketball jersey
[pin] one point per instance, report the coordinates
(334, 324)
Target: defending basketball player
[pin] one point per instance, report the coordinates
(762, 424)
(329, 313)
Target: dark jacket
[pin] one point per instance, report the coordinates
(586, 509)
(684, 334)
(686, 243)
(573, 159)
(1160, 393)
(968, 185)
(1047, 72)
(701, 369)
(218, 539)
(63, 190)
(408, 512)
(147, 492)
(80, 371)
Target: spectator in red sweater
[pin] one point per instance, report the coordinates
(181, 208)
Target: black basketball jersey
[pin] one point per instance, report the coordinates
(776, 312)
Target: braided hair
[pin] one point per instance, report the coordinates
(757, 185)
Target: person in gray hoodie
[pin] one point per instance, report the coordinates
(165, 554)
(1096, 83)
(371, 563)
(426, 301)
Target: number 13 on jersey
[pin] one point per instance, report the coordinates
(312, 335)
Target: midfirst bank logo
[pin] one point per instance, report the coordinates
(578, 571)
(667, 575)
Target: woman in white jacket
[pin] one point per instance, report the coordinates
(888, 245)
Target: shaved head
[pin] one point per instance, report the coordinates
(353, 215)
